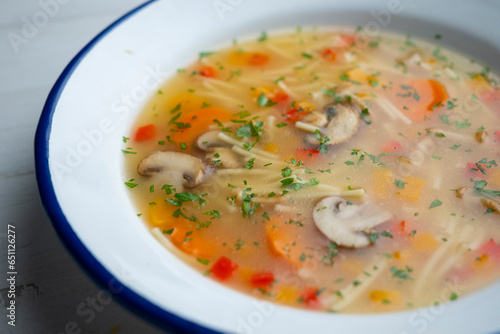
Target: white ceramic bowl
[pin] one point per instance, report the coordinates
(95, 101)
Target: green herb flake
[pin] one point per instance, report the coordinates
(206, 54)
(131, 184)
(435, 204)
(462, 125)
(400, 184)
(127, 151)
(262, 100)
(263, 37)
(168, 231)
(202, 261)
(306, 55)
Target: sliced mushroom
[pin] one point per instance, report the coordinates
(224, 157)
(481, 136)
(344, 122)
(462, 191)
(177, 168)
(413, 58)
(345, 223)
(316, 119)
(491, 204)
(210, 139)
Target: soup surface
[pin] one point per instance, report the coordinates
(325, 171)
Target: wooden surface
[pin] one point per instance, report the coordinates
(50, 286)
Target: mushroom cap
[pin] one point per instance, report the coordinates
(210, 139)
(491, 204)
(344, 223)
(174, 166)
(344, 122)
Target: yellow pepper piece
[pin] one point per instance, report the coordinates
(287, 294)
(271, 148)
(187, 101)
(160, 215)
(385, 297)
(413, 188)
(424, 241)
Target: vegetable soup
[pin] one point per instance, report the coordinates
(320, 171)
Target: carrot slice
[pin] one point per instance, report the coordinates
(392, 146)
(208, 72)
(439, 94)
(191, 242)
(145, 132)
(418, 98)
(329, 55)
(199, 121)
(262, 280)
(248, 58)
(491, 249)
(284, 241)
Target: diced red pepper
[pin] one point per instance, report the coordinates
(492, 97)
(278, 97)
(145, 132)
(295, 114)
(262, 280)
(223, 268)
(473, 171)
(329, 55)
(392, 146)
(490, 248)
(310, 296)
(208, 72)
(347, 40)
(497, 134)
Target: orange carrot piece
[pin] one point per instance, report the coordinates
(199, 121)
(278, 97)
(248, 58)
(329, 55)
(145, 132)
(418, 98)
(392, 146)
(262, 280)
(259, 59)
(208, 72)
(192, 242)
(439, 94)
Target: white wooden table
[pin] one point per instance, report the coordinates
(50, 286)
